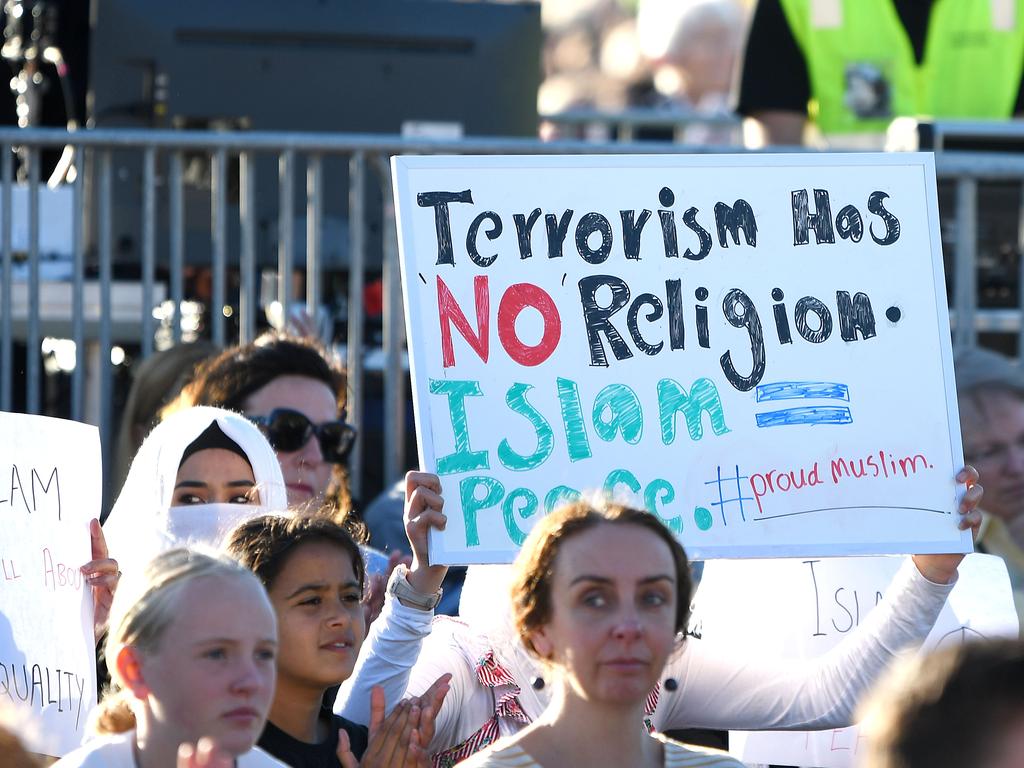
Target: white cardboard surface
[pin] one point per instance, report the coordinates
(844, 442)
(811, 605)
(49, 491)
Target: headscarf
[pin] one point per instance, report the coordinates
(213, 438)
(142, 523)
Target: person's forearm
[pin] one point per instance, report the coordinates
(719, 690)
(426, 579)
(901, 621)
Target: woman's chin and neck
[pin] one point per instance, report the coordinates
(590, 718)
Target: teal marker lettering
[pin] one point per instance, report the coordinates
(702, 398)
(621, 477)
(516, 400)
(522, 502)
(617, 409)
(462, 459)
(559, 495)
(660, 492)
(572, 418)
(472, 503)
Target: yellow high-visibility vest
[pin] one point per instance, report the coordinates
(863, 73)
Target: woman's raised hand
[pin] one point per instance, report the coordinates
(424, 509)
(941, 569)
(102, 575)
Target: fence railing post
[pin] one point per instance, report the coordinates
(247, 304)
(6, 294)
(176, 214)
(78, 214)
(356, 312)
(33, 340)
(965, 266)
(394, 337)
(219, 244)
(286, 231)
(148, 246)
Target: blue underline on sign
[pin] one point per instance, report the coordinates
(807, 415)
(801, 390)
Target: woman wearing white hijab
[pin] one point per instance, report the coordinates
(189, 464)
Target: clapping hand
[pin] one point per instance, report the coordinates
(394, 740)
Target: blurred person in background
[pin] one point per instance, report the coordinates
(692, 47)
(957, 707)
(849, 67)
(990, 391)
(676, 55)
(12, 751)
(590, 58)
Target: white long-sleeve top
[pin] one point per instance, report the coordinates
(405, 653)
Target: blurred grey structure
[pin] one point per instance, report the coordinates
(237, 148)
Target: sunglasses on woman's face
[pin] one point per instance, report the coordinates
(289, 430)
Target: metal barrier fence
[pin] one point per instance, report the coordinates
(624, 125)
(91, 380)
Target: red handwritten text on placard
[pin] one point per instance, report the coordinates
(60, 575)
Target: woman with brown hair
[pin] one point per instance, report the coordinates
(603, 628)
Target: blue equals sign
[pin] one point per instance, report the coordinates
(807, 414)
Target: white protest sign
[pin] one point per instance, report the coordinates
(50, 479)
(811, 606)
(755, 346)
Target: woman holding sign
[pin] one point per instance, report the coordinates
(496, 684)
(192, 648)
(200, 472)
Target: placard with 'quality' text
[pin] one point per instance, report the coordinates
(50, 487)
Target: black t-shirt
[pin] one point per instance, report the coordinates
(300, 754)
(774, 74)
